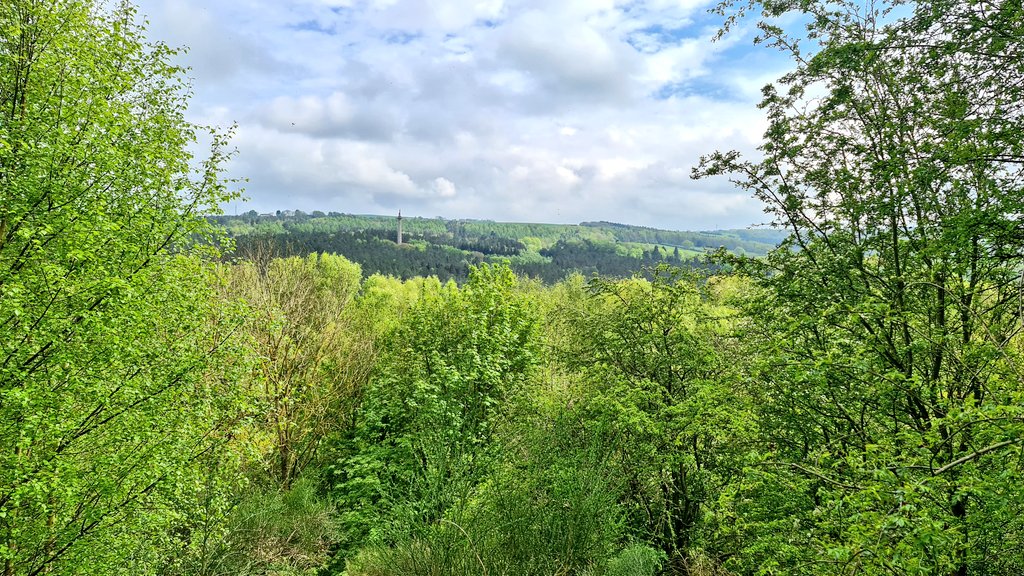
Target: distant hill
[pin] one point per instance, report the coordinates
(446, 248)
(756, 242)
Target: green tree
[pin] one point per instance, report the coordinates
(653, 360)
(428, 421)
(526, 489)
(107, 403)
(313, 364)
(891, 390)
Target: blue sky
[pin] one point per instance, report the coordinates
(532, 110)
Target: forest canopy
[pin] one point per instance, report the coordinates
(448, 248)
(850, 402)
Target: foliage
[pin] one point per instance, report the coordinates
(312, 369)
(636, 560)
(849, 404)
(890, 392)
(649, 352)
(428, 417)
(535, 237)
(109, 401)
(375, 252)
(548, 509)
(273, 531)
(447, 248)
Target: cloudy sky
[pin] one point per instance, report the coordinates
(518, 110)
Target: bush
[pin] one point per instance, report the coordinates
(276, 532)
(636, 560)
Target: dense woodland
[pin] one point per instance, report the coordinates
(448, 248)
(851, 403)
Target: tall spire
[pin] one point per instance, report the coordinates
(399, 227)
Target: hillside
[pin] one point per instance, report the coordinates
(446, 248)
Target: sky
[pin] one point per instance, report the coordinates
(513, 110)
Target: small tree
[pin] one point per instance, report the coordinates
(312, 366)
(652, 357)
(430, 412)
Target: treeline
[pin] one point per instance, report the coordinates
(591, 258)
(450, 258)
(301, 243)
(447, 248)
(524, 236)
(752, 242)
(372, 250)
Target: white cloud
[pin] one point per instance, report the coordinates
(309, 113)
(444, 187)
(314, 166)
(507, 109)
(567, 57)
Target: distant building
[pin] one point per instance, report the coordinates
(399, 228)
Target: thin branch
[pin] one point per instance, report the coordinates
(973, 455)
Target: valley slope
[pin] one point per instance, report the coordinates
(447, 248)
